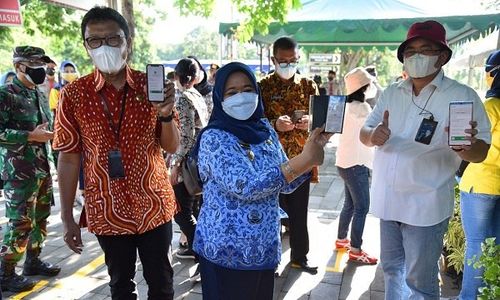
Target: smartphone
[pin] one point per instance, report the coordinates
(297, 115)
(460, 118)
(155, 74)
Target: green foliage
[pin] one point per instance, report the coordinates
(490, 261)
(57, 31)
(454, 238)
(258, 13)
(204, 44)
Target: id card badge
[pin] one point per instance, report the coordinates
(115, 164)
(426, 131)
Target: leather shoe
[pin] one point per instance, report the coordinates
(304, 266)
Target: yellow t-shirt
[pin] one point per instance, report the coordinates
(53, 99)
(484, 177)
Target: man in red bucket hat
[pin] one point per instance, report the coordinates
(414, 167)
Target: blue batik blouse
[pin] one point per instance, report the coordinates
(239, 221)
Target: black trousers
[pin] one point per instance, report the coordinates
(219, 283)
(188, 207)
(295, 205)
(120, 252)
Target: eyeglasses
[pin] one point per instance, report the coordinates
(427, 52)
(112, 41)
(292, 64)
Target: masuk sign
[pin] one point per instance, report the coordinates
(10, 13)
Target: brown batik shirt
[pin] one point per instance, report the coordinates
(283, 98)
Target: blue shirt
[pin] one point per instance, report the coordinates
(239, 222)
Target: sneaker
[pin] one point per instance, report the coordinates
(196, 276)
(363, 258)
(342, 244)
(185, 254)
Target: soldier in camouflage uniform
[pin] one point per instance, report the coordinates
(25, 130)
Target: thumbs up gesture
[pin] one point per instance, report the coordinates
(381, 133)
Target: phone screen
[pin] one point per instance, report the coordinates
(156, 82)
(460, 117)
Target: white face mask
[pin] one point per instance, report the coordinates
(419, 65)
(108, 59)
(286, 72)
(241, 106)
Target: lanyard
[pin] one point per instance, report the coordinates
(104, 102)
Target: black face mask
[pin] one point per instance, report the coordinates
(37, 75)
(50, 71)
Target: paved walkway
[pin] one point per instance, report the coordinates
(85, 276)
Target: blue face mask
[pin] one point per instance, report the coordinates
(241, 106)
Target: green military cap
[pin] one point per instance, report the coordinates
(30, 53)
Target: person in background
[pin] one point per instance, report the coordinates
(283, 93)
(25, 130)
(107, 118)
(374, 90)
(50, 79)
(244, 169)
(318, 81)
(480, 188)
(211, 73)
(412, 186)
(193, 116)
(354, 161)
(203, 86)
(6, 78)
(332, 85)
(67, 74)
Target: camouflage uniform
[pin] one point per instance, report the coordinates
(24, 166)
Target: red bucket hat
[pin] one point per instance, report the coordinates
(430, 30)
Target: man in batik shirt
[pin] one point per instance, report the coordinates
(285, 94)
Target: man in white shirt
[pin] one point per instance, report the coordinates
(333, 85)
(413, 178)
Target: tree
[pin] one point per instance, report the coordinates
(258, 13)
(60, 35)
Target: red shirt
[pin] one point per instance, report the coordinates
(144, 199)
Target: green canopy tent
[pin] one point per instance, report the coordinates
(378, 33)
(327, 25)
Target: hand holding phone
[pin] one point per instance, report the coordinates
(155, 74)
(460, 119)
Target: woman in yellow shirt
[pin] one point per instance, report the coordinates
(67, 74)
(480, 187)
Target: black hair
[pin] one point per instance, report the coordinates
(332, 72)
(371, 70)
(170, 75)
(317, 79)
(358, 95)
(284, 43)
(103, 13)
(203, 87)
(186, 70)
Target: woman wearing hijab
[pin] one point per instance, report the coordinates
(243, 169)
(480, 188)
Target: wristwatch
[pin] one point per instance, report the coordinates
(166, 119)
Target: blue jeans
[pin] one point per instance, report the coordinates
(409, 256)
(356, 203)
(481, 220)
